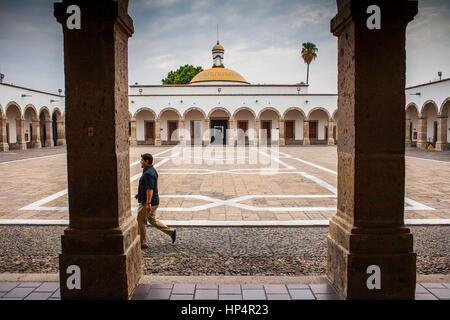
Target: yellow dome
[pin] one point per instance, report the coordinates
(218, 47)
(218, 74)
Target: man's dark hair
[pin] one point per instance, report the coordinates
(147, 157)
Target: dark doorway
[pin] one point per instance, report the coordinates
(219, 135)
(266, 126)
(55, 130)
(313, 129)
(7, 133)
(149, 131)
(289, 130)
(172, 126)
(242, 135)
(435, 128)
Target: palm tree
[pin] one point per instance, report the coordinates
(309, 53)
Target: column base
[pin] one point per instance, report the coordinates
(49, 143)
(157, 142)
(36, 145)
(421, 144)
(306, 141)
(441, 146)
(331, 142)
(4, 146)
(110, 262)
(408, 143)
(20, 146)
(61, 142)
(391, 249)
(282, 142)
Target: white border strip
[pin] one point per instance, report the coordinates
(224, 223)
(447, 162)
(34, 158)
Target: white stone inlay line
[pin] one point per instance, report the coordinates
(35, 158)
(225, 223)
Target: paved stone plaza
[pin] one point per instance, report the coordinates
(211, 186)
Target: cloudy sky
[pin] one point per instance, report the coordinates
(262, 41)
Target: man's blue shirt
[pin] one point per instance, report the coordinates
(148, 180)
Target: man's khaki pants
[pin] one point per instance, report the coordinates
(143, 216)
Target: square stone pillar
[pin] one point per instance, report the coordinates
(369, 249)
(257, 133)
(181, 137)
(207, 133)
(441, 143)
(157, 132)
(231, 132)
(49, 133)
(133, 139)
(36, 136)
(20, 134)
(407, 133)
(306, 133)
(3, 136)
(60, 136)
(281, 138)
(422, 135)
(330, 133)
(101, 246)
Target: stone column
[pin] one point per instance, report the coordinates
(36, 136)
(422, 134)
(60, 137)
(330, 133)
(49, 133)
(101, 244)
(181, 132)
(306, 132)
(281, 138)
(20, 134)
(133, 139)
(407, 133)
(206, 134)
(3, 140)
(368, 239)
(157, 132)
(257, 126)
(441, 143)
(231, 136)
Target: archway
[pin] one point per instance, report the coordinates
(169, 120)
(194, 125)
(46, 128)
(318, 125)
(293, 125)
(429, 128)
(335, 119)
(269, 122)
(58, 128)
(219, 123)
(31, 129)
(244, 120)
(444, 126)
(145, 126)
(412, 125)
(14, 127)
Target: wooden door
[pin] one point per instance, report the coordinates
(313, 129)
(435, 129)
(242, 136)
(173, 125)
(149, 130)
(267, 125)
(289, 130)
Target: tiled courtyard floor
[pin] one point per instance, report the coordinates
(212, 291)
(285, 184)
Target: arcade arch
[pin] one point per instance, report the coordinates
(144, 126)
(169, 120)
(293, 119)
(194, 123)
(318, 121)
(15, 127)
(244, 125)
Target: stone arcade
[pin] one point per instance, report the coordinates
(102, 238)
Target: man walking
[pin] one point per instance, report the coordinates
(149, 200)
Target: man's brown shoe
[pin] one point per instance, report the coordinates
(174, 236)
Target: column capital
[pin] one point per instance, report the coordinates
(105, 11)
(398, 12)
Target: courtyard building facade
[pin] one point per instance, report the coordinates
(220, 107)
